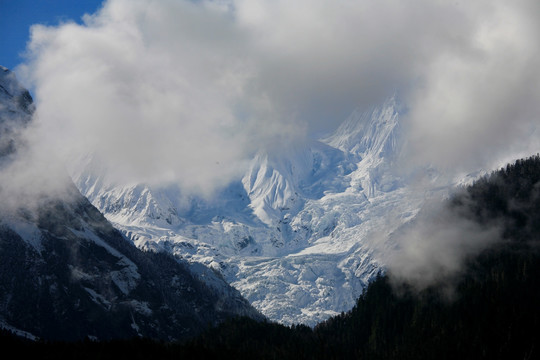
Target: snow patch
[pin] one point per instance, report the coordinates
(98, 298)
(18, 332)
(127, 278)
(27, 230)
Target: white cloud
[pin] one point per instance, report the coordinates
(479, 103)
(145, 94)
(187, 91)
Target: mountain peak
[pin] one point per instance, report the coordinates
(372, 131)
(13, 96)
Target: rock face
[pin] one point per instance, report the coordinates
(67, 274)
(16, 107)
(296, 234)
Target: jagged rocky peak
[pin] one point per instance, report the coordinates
(15, 97)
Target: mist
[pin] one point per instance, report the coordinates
(30, 177)
(433, 248)
(29, 174)
(477, 104)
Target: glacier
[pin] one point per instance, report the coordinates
(299, 235)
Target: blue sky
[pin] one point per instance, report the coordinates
(16, 17)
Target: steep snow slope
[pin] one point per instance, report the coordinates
(67, 274)
(298, 234)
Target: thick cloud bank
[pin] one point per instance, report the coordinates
(183, 91)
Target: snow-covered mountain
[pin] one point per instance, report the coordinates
(298, 234)
(67, 274)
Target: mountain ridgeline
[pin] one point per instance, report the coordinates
(491, 312)
(67, 274)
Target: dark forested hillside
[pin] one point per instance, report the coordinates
(492, 312)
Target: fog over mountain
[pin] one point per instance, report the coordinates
(283, 143)
(67, 274)
(179, 91)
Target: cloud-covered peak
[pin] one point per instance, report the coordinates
(187, 92)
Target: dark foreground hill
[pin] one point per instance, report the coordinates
(493, 311)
